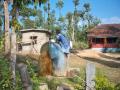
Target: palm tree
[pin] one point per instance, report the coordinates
(87, 16)
(45, 11)
(86, 7)
(76, 3)
(39, 20)
(52, 19)
(59, 5)
(48, 19)
(69, 19)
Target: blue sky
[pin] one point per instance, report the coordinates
(107, 10)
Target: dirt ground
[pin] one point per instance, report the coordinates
(108, 63)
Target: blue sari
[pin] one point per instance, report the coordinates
(57, 56)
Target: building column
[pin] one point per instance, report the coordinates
(91, 42)
(105, 41)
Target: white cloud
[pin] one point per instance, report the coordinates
(112, 20)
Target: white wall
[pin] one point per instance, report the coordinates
(42, 38)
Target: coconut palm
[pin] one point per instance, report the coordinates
(86, 7)
(69, 19)
(87, 16)
(59, 5)
(45, 11)
(76, 3)
(52, 19)
(48, 19)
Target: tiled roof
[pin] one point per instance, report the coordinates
(108, 26)
(105, 30)
(35, 30)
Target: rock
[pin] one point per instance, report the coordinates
(43, 86)
(73, 72)
(65, 87)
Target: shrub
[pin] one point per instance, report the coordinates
(80, 45)
(5, 74)
(102, 83)
(6, 80)
(117, 87)
(33, 72)
(53, 83)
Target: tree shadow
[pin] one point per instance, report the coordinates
(103, 62)
(110, 57)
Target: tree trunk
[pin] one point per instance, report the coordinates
(7, 33)
(48, 14)
(44, 20)
(60, 15)
(73, 32)
(13, 58)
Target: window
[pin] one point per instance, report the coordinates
(34, 39)
(19, 47)
(112, 40)
(98, 40)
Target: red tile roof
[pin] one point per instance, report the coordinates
(105, 30)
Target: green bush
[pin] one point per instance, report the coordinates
(33, 72)
(78, 81)
(80, 45)
(6, 80)
(53, 83)
(117, 87)
(1, 44)
(5, 74)
(102, 83)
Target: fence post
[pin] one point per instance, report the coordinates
(90, 76)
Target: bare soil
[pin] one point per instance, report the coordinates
(108, 63)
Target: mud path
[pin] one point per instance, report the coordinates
(109, 63)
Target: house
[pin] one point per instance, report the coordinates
(32, 40)
(105, 37)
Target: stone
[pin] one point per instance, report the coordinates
(43, 86)
(65, 87)
(73, 72)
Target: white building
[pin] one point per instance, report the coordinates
(32, 40)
